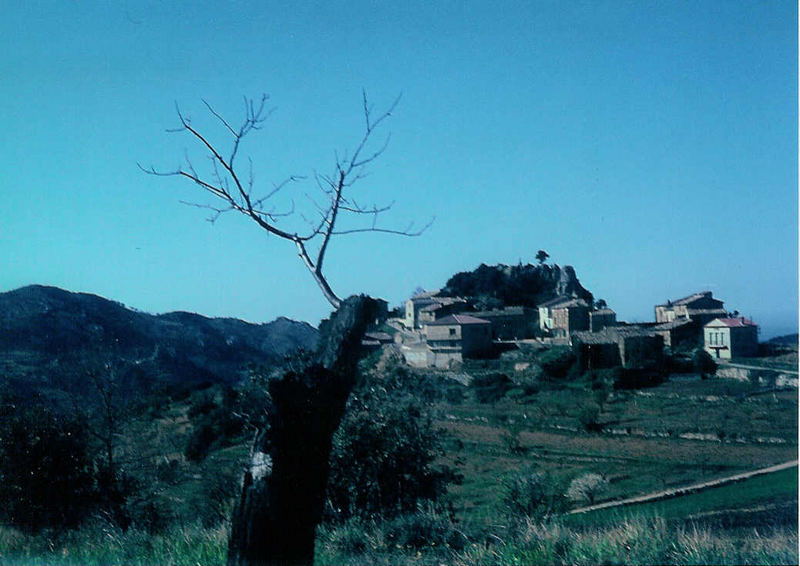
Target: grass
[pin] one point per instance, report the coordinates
(100, 545)
(640, 449)
(638, 540)
(777, 487)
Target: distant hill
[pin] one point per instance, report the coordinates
(786, 340)
(49, 335)
(493, 286)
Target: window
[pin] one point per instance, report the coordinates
(452, 332)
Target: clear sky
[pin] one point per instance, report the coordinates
(652, 145)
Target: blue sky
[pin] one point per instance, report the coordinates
(652, 145)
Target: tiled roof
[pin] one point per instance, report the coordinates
(507, 311)
(572, 303)
(556, 301)
(458, 319)
(688, 299)
(690, 312)
(739, 322)
(612, 335)
(673, 324)
(602, 312)
(426, 294)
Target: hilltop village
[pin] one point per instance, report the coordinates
(439, 330)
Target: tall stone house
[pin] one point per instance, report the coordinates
(726, 338)
(700, 308)
(569, 317)
(455, 337)
(602, 318)
(429, 306)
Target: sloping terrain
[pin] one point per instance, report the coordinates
(50, 337)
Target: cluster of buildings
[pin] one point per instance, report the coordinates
(447, 330)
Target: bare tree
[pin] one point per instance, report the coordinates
(284, 485)
(234, 189)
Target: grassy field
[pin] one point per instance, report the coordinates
(758, 495)
(683, 431)
(678, 433)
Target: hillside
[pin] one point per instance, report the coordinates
(48, 336)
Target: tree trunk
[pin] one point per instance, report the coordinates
(283, 490)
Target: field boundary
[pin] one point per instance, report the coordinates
(685, 490)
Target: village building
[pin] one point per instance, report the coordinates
(569, 317)
(678, 331)
(429, 306)
(698, 307)
(629, 347)
(727, 338)
(510, 323)
(602, 318)
(455, 337)
(546, 311)
(440, 308)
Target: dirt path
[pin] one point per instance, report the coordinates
(655, 496)
(744, 366)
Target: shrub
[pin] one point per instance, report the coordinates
(589, 417)
(703, 363)
(557, 362)
(46, 472)
(586, 488)
(533, 494)
(382, 461)
(491, 388)
(424, 528)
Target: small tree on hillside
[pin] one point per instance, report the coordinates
(283, 489)
(703, 363)
(542, 256)
(586, 488)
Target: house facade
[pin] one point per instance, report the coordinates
(455, 337)
(700, 307)
(602, 318)
(629, 347)
(510, 323)
(569, 317)
(546, 312)
(726, 338)
(441, 307)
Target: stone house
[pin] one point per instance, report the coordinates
(569, 317)
(510, 323)
(727, 338)
(415, 304)
(441, 307)
(546, 311)
(602, 318)
(631, 348)
(699, 307)
(457, 336)
(680, 330)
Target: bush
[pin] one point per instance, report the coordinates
(589, 417)
(557, 362)
(491, 388)
(586, 488)
(382, 460)
(46, 472)
(533, 494)
(703, 363)
(424, 528)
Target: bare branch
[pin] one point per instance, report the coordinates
(225, 182)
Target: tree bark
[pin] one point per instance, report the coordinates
(283, 490)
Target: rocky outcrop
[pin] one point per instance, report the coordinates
(494, 286)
